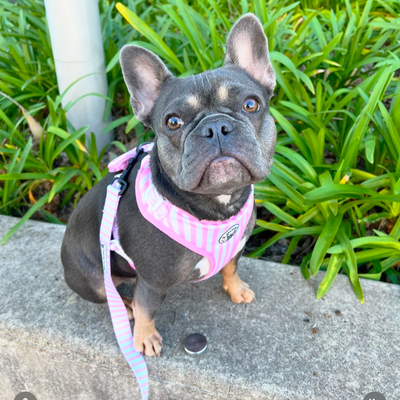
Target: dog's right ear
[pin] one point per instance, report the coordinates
(144, 74)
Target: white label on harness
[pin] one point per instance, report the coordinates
(104, 256)
(228, 234)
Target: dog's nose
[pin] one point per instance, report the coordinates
(214, 129)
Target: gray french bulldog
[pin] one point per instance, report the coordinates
(214, 137)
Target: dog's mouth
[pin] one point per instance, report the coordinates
(222, 166)
(222, 175)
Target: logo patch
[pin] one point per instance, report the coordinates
(228, 234)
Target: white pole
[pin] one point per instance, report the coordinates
(77, 44)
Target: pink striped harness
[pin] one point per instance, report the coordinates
(216, 241)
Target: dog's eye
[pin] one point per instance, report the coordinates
(174, 122)
(251, 106)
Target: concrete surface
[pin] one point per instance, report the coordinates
(287, 346)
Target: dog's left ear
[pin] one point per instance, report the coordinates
(247, 47)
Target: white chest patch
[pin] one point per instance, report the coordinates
(203, 266)
(224, 199)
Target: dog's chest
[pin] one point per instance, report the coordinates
(217, 241)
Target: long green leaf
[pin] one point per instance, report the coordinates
(324, 241)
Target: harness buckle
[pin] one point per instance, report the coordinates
(122, 186)
(121, 178)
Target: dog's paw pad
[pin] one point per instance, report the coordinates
(149, 345)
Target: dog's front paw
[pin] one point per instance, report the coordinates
(148, 342)
(239, 291)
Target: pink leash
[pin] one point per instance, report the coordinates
(119, 315)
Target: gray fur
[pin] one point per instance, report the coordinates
(253, 136)
(220, 150)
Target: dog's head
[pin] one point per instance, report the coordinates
(213, 130)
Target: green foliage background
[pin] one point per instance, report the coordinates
(336, 174)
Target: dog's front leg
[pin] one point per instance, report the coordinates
(146, 302)
(238, 290)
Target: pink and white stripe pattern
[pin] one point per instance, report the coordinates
(119, 315)
(218, 241)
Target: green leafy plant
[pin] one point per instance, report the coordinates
(336, 173)
(46, 165)
(336, 167)
(27, 72)
(347, 120)
(52, 171)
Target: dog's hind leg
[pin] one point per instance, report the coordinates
(118, 280)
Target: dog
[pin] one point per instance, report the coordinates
(214, 138)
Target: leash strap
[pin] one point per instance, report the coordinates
(119, 315)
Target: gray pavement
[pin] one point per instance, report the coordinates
(286, 346)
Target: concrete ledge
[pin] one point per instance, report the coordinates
(287, 346)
